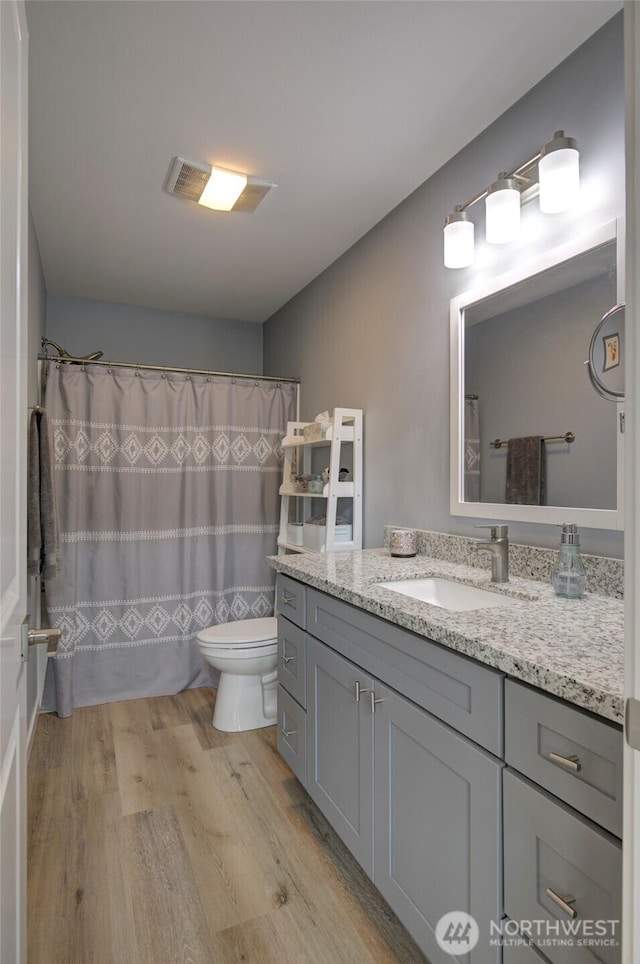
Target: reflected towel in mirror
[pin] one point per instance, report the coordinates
(526, 471)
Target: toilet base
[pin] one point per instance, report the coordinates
(240, 704)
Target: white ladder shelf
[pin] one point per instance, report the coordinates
(346, 430)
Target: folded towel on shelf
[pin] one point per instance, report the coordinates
(526, 471)
(43, 534)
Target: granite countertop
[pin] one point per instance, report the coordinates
(573, 648)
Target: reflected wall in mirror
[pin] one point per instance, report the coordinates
(519, 346)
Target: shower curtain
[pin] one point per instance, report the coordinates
(167, 491)
(471, 450)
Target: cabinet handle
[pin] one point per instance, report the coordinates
(374, 701)
(563, 902)
(360, 689)
(570, 762)
(288, 733)
(287, 597)
(287, 659)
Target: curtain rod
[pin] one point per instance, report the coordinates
(164, 368)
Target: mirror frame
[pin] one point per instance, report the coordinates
(544, 514)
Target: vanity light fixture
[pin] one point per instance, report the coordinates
(559, 174)
(555, 168)
(458, 239)
(214, 187)
(502, 210)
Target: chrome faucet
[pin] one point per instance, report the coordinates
(498, 546)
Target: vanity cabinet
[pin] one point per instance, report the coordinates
(402, 744)
(417, 803)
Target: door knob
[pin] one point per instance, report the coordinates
(33, 637)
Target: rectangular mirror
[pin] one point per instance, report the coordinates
(518, 348)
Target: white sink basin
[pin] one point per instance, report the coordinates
(455, 596)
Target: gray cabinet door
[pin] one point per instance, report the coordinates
(437, 827)
(522, 954)
(340, 747)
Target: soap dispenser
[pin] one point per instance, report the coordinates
(568, 576)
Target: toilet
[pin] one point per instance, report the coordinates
(246, 653)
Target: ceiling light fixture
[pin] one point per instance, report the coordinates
(555, 168)
(223, 189)
(215, 187)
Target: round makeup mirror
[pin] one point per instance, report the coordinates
(605, 363)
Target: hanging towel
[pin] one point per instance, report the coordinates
(526, 471)
(43, 534)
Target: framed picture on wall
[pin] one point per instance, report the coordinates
(611, 352)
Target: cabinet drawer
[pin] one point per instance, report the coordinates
(292, 734)
(292, 660)
(550, 850)
(572, 754)
(290, 600)
(460, 691)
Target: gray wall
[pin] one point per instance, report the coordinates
(133, 334)
(36, 304)
(373, 330)
(527, 367)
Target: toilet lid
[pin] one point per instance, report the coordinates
(242, 631)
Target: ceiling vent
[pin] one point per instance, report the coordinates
(188, 179)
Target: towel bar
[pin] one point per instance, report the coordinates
(567, 437)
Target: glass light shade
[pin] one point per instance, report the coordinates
(222, 189)
(459, 249)
(502, 212)
(559, 175)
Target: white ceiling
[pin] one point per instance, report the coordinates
(348, 106)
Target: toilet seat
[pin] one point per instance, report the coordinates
(242, 634)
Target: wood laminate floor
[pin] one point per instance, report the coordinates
(155, 839)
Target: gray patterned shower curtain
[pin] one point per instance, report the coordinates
(167, 491)
(471, 450)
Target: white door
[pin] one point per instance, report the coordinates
(631, 829)
(13, 421)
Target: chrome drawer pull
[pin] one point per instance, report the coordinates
(563, 902)
(287, 597)
(374, 701)
(359, 690)
(570, 762)
(287, 659)
(288, 733)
